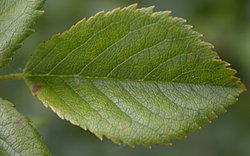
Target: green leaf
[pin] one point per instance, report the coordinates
(133, 76)
(17, 136)
(16, 18)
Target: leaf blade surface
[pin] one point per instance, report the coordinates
(17, 136)
(16, 18)
(133, 76)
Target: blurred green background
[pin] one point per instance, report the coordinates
(224, 23)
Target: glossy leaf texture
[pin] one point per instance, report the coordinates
(17, 135)
(16, 20)
(132, 75)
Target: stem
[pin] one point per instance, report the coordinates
(12, 77)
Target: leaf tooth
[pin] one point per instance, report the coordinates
(149, 146)
(200, 35)
(192, 128)
(220, 110)
(167, 12)
(19, 45)
(206, 120)
(85, 128)
(182, 19)
(129, 143)
(182, 133)
(106, 14)
(233, 96)
(57, 112)
(167, 142)
(197, 126)
(29, 30)
(161, 13)
(40, 12)
(132, 145)
(97, 15)
(78, 24)
(45, 104)
(212, 114)
(75, 123)
(147, 10)
(153, 7)
(209, 46)
(99, 136)
(241, 85)
(132, 6)
(226, 64)
(233, 71)
(150, 8)
(189, 26)
(60, 115)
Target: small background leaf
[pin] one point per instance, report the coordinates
(17, 136)
(16, 18)
(133, 76)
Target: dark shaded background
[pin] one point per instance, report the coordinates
(224, 23)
